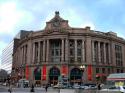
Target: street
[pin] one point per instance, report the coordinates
(4, 89)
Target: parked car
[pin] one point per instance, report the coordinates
(5, 84)
(70, 86)
(90, 86)
(113, 88)
(76, 86)
(58, 86)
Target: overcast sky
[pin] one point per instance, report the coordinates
(101, 15)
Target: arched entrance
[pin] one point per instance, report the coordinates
(37, 76)
(54, 73)
(75, 76)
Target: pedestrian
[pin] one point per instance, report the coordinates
(99, 86)
(46, 87)
(32, 88)
(122, 90)
(10, 88)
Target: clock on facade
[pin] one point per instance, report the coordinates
(56, 23)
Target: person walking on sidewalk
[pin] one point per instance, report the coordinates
(46, 87)
(32, 88)
(10, 88)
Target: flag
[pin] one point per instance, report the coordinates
(90, 72)
(27, 72)
(64, 70)
(44, 73)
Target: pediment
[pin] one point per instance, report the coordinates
(56, 22)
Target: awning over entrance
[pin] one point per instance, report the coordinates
(116, 76)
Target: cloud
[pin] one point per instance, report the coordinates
(77, 19)
(90, 24)
(11, 17)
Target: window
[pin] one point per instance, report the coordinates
(71, 59)
(97, 70)
(109, 71)
(118, 54)
(79, 52)
(71, 52)
(55, 50)
(79, 59)
(103, 70)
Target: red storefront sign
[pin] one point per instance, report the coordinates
(44, 73)
(89, 72)
(64, 70)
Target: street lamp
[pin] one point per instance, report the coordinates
(82, 67)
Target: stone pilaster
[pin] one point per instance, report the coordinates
(66, 50)
(47, 50)
(104, 47)
(75, 50)
(93, 52)
(44, 48)
(38, 52)
(113, 56)
(99, 54)
(21, 55)
(33, 53)
(62, 49)
(88, 50)
(29, 52)
(109, 51)
(83, 51)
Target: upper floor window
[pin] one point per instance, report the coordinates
(118, 55)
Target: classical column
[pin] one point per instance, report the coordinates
(66, 50)
(62, 49)
(38, 52)
(88, 50)
(33, 60)
(83, 51)
(29, 52)
(21, 55)
(47, 50)
(25, 54)
(99, 58)
(44, 48)
(93, 52)
(109, 51)
(104, 47)
(75, 50)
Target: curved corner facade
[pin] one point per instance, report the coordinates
(79, 54)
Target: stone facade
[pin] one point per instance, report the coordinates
(59, 50)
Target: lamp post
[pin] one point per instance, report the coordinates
(82, 67)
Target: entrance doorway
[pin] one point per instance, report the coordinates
(75, 76)
(54, 73)
(37, 76)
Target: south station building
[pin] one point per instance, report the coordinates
(80, 54)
